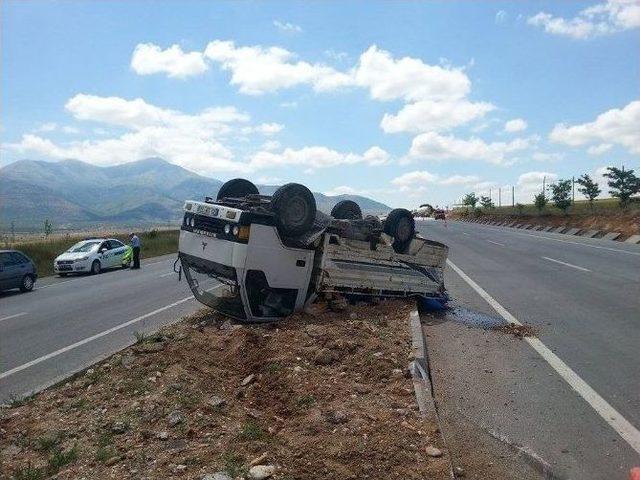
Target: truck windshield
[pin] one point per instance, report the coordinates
(220, 293)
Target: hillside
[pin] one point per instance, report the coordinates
(76, 195)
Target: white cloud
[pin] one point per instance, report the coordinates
(192, 141)
(430, 115)
(317, 157)
(531, 182)
(407, 78)
(71, 130)
(287, 27)
(599, 149)
(601, 19)
(257, 70)
(501, 17)
(341, 190)
(337, 56)
(615, 126)
(420, 178)
(547, 157)
(149, 59)
(433, 146)
(271, 145)
(515, 125)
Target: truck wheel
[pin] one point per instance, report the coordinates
(237, 188)
(346, 210)
(27, 283)
(295, 209)
(401, 226)
(95, 267)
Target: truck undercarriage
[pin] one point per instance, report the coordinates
(255, 260)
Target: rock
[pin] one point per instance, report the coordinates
(226, 325)
(258, 460)
(362, 389)
(261, 472)
(338, 304)
(119, 427)
(216, 402)
(181, 468)
(112, 461)
(174, 418)
(315, 331)
(163, 436)
(149, 347)
(353, 315)
(337, 417)
(217, 476)
(323, 357)
(433, 451)
(459, 471)
(247, 380)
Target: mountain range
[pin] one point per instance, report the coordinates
(74, 195)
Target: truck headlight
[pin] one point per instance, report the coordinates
(83, 259)
(235, 231)
(192, 221)
(227, 229)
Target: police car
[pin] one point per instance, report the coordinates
(92, 256)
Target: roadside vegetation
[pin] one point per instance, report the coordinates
(44, 251)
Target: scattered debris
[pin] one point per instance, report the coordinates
(261, 472)
(519, 331)
(433, 451)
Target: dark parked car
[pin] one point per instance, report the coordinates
(17, 271)
(439, 215)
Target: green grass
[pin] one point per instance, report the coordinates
(252, 431)
(580, 207)
(43, 252)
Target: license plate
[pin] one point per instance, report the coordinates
(65, 267)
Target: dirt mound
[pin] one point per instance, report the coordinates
(322, 396)
(519, 331)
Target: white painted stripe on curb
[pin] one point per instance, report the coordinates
(13, 316)
(496, 243)
(610, 415)
(567, 264)
(84, 341)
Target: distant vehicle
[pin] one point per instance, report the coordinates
(259, 258)
(439, 215)
(17, 271)
(92, 256)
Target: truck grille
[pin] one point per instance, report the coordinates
(208, 224)
(65, 262)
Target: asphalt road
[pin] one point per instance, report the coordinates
(582, 296)
(66, 324)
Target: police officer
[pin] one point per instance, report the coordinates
(135, 245)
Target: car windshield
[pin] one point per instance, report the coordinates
(84, 246)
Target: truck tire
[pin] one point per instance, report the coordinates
(400, 225)
(236, 188)
(295, 209)
(346, 210)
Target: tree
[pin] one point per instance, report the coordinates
(48, 228)
(561, 194)
(622, 184)
(540, 201)
(588, 188)
(486, 202)
(470, 199)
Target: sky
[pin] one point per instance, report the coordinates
(404, 102)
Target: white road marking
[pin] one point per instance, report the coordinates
(166, 274)
(496, 243)
(13, 316)
(465, 233)
(84, 341)
(57, 283)
(567, 264)
(610, 415)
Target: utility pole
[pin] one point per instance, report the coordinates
(573, 190)
(513, 196)
(490, 195)
(499, 196)
(544, 184)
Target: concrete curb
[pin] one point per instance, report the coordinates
(422, 385)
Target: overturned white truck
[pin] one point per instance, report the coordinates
(259, 258)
